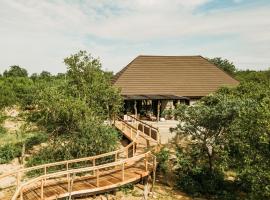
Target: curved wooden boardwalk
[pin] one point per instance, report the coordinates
(92, 175)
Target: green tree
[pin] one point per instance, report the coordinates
(249, 139)
(224, 64)
(88, 81)
(73, 109)
(15, 71)
(254, 76)
(234, 123)
(206, 124)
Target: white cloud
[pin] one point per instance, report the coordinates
(39, 34)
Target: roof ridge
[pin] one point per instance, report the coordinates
(168, 56)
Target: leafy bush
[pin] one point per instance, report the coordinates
(9, 151)
(162, 159)
(85, 143)
(195, 178)
(36, 139)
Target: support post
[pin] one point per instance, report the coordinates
(158, 110)
(135, 108)
(145, 191)
(154, 173)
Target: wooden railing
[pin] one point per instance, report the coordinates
(87, 164)
(46, 168)
(70, 175)
(145, 128)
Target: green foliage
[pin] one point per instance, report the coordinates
(15, 71)
(127, 188)
(206, 124)
(88, 81)
(262, 77)
(195, 178)
(224, 64)
(9, 151)
(16, 90)
(162, 159)
(2, 129)
(35, 139)
(73, 110)
(228, 130)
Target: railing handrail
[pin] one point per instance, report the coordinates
(149, 125)
(71, 170)
(81, 170)
(22, 170)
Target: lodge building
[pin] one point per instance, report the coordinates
(151, 85)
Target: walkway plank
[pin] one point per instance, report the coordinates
(110, 174)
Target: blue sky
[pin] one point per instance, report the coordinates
(38, 35)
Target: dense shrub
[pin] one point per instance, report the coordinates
(162, 159)
(9, 151)
(89, 141)
(195, 178)
(37, 138)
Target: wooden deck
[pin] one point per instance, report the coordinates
(92, 175)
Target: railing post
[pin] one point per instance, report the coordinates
(67, 169)
(42, 189)
(71, 185)
(146, 163)
(21, 194)
(94, 164)
(123, 171)
(97, 177)
(18, 179)
(45, 173)
(133, 149)
(68, 180)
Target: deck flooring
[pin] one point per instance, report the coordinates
(87, 184)
(109, 179)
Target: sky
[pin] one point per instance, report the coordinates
(38, 35)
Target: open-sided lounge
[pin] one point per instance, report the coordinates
(153, 85)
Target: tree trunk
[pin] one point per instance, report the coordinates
(210, 161)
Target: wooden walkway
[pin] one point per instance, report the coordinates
(92, 175)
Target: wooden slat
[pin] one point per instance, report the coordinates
(110, 175)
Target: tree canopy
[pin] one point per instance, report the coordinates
(73, 110)
(229, 130)
(224, 64)
(15, 71)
